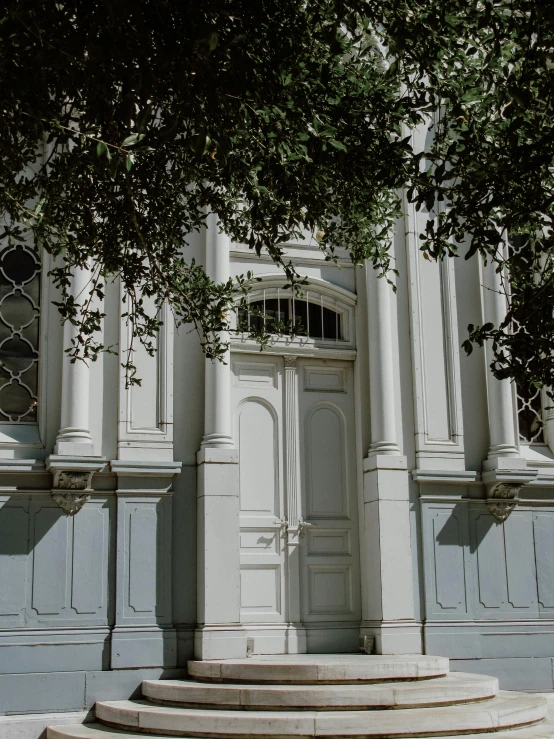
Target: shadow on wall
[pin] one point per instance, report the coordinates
(450, 535)
(55, 569)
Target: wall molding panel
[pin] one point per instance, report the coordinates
(489, 583)
(435, 356)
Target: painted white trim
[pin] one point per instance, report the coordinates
(157, 440)
(267, 281)
(432, 452)
(244, 346)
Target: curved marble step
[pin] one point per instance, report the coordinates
(452, 689)
(311, 668)
(543, 730)
(504, 711)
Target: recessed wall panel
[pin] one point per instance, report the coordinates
(260, 588)
(325, 463)
(88, 594)
(330, 589)
(543, 526)
(257, 458)
(14, 544)
(50, 549)
(142, 562)
(449, 571)
(520, 560)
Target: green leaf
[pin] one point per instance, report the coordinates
(131, 140)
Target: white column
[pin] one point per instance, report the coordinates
(500, 397)
(381, 364)
(217, 414)
(504, 470)
(74, 438)
(74, 461)
(292, 446)
(388, 608)
(297, 633)
(219, 634)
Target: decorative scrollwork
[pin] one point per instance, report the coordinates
(71, 503)
(502, 499)
(79, 480)
(66, 480)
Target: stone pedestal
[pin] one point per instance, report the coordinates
(389, 610)
(219, 633)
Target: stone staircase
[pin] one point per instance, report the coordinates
(331, 696)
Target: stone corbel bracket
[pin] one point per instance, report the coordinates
(503, 488)
(73, 480)
(501, 500)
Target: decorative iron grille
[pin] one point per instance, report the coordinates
(529, 415)
(19, 333)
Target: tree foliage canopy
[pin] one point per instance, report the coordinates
(123, 123)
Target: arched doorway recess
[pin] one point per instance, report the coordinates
(294, 426)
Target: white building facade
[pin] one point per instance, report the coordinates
(364, 480)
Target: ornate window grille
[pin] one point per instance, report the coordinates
(529, 415)
(529, 398)
(19, 334)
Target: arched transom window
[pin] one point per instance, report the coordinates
(321, 314)
(306, 316)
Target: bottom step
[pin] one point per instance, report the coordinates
(506, 710)
(543, 730)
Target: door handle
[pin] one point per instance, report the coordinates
(303, 526)
(283, 527)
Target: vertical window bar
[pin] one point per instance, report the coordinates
(264, 312)
(322, 318)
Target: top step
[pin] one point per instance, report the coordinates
(320, 668)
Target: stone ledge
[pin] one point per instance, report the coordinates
(33, 726)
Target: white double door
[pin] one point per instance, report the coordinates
(295, 431)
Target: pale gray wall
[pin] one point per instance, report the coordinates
(484, 590)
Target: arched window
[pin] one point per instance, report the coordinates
(19, 334)
(306, 316)
(320, 317)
